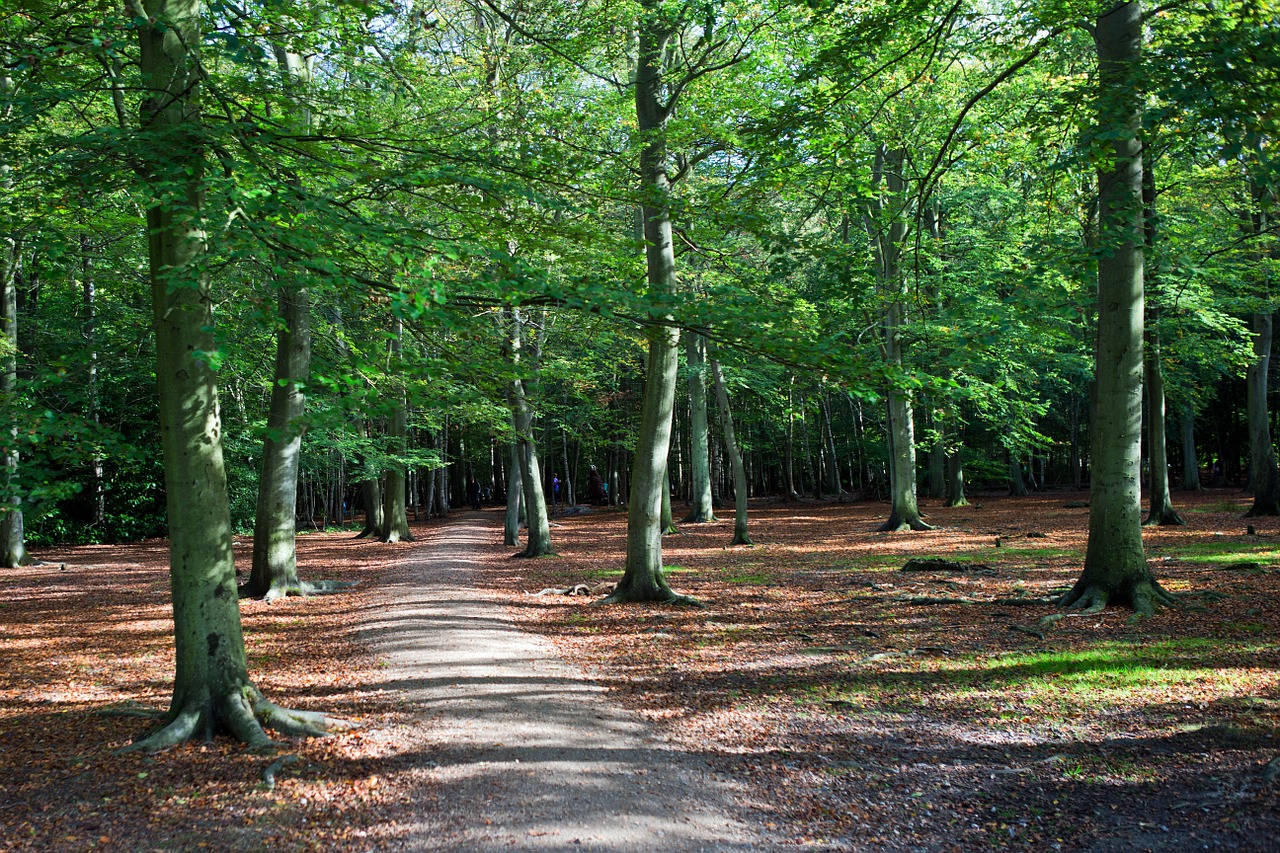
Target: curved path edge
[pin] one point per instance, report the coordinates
(527, 751)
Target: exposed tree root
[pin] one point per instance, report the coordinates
(302, 589)
(699, 518)
(648, 593)
(898, 524)
(270, 771)
(1164, 517)
(960, 501)
(530, 552)
(741, 538)
(245, 714)
(1145, 596)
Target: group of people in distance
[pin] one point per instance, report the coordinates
(597, 490)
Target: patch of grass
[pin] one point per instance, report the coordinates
(1055, 686)
(1226, 553)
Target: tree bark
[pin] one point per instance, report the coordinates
(13, 544)
(1115, 567)
(1190, 459)
(275, 564)
(515, 499)
(211, 685)
(701, 509)
(740, 535)
(1263, 474)
(538, 529)
(643, 578)
(887, 240)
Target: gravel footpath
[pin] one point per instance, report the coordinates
(528, 752)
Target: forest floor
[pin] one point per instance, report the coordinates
(859, 707)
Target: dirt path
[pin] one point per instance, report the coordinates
(528, 752)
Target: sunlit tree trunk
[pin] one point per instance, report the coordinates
(887, 225)
(643, 578)
(1263, 474)
(211, 685)
(538, 523)
(275, 565)
(395, 515)
(740, 488)
(1115, 567)
(13, 543)
(700, 505)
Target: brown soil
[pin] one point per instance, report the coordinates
(858, 717)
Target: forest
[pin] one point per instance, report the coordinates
(271, 267)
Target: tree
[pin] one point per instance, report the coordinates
(700, 506)
(211, 688)
(740, 487)
(1115, 567)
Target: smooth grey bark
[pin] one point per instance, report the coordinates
(740, 535)
(1263, 474)
(701, 508)
(538, 523)
(668, 522)
(789, 462)
(13, 543)
(395, 515)
(1161, 511)
(211, 685)
(1115, 567)
(643, 578)
(886, 223)
(827, 433)
(274, 573)
(515, 499)
(1190, 459)
(89, 298)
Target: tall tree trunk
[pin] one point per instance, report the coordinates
(538, 543)
(888, 231)
(1115, 567)
(395, 516)
(1017, 485)
(701, 509)
(515, 499)
(1161, 511)
(275, 562)
(13, 543)
(955, 478)
(740, 536)
(1263, 474)
(1190, 459)
(211, 685)
(643, 578)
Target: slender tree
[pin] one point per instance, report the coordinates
(740, 487)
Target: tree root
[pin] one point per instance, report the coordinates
(741, 539)
(245, 714)
(895, 524)
(1166, 517)
(270, 771)
(1144, 596)
(303, 589)
(657, 596)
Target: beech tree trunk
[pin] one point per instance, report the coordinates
(211, 686)
(701, 508)
(886, 223)
(1115, 567)
(1190, 459)
(538, 529)
(643, 578)
(740, 535)
(13, 544)
(275, 564)
(515, 499)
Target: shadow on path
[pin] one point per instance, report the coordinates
(529, 753)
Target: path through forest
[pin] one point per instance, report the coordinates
(528, 752)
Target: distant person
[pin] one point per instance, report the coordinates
(555, 491)
(473, 493)
(595, 487)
